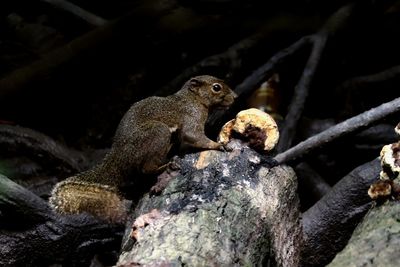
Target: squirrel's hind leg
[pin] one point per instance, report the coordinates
(156, 147)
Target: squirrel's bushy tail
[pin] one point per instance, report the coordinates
(83, 193)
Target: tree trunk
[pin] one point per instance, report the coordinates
(220, 209)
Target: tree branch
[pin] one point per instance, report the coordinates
(346, 127)
(328, 224)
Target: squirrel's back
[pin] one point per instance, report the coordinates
(153, 108)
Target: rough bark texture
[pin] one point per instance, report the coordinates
(220, 209)
(376, 241)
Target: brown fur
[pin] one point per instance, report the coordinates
(144, 135)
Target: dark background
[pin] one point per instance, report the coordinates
(80, 101)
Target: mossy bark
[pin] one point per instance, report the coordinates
(376, 241)
(220, 209)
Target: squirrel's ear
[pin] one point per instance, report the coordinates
(194, 84)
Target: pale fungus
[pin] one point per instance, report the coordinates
(388, 185)
(253, 125)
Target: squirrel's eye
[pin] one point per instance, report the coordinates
(216, 87)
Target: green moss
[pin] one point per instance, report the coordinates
(376, 241)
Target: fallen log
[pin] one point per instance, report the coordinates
(220, 209)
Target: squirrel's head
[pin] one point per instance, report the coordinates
(211, 91)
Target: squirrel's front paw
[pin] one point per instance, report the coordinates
(220, 147)
(173, 165)
(226, 148)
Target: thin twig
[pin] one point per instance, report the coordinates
(351, 125)
(78, 12)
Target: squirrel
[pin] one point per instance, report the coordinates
(141, 145)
